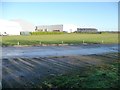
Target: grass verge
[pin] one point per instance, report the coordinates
(105, 76)
(73, 38)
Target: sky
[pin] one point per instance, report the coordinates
(100, 15)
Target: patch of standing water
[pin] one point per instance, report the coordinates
(10, 52)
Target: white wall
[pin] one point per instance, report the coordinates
(26, 26)
(62, 27)
(69, 28)
(51, 27)
(10, 27)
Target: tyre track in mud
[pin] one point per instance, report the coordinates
(28, 72)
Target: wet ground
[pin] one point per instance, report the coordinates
(43, 51)
(27, 67)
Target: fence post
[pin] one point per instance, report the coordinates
(18, 43)
(40, 43)
(102, 41)
(62, 42)
(83, 41)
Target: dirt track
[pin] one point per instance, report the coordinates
(27, 72)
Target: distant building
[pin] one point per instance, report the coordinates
(26, 26)
(87, 30)
(15, 27)
(9, 27)
(21, 27)
(57, 28)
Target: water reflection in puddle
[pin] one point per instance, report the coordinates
(9, 52)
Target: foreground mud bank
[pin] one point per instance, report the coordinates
(46, 51)
(30, 72)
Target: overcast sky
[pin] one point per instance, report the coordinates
(101, 15)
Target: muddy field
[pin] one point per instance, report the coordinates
(29, 72)
(45, 51)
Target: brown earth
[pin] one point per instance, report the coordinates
(28, 72)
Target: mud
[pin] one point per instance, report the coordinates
(27, 67)
(44, 51)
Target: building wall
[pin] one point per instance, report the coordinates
(50, 28)
(87, 30)
(26, 26)
(62, 27)
(69, 28)
(9, 27)
(14, 27)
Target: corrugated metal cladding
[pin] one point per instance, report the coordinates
(50, 28)
(26, 26)
(9, 27)
(87, 30)
(14, 27)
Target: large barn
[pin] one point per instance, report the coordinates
(59, 28)
(15, 27)
(22, 27)
(26, 26)
(9, 27)
(87, 30)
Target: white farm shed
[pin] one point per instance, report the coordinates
(70, 28)
(26, 26)
(14, 27)
(9, 27)
(60, 27)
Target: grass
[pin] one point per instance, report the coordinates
(104, 76)
(107, 38)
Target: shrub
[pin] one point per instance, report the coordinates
(45, 33)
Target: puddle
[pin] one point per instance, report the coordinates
(44, 51)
